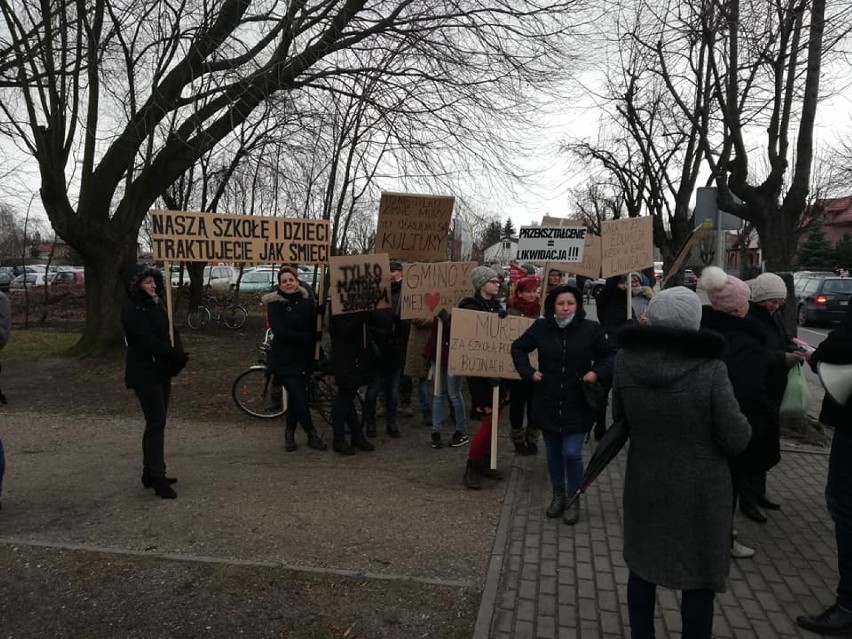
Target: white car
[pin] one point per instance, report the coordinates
(32, 280)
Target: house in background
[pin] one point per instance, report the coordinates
(836, 217)
(60, 250)
(501, 252)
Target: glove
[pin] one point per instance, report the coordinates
(502, 313)
(444, 316)
(179, 363)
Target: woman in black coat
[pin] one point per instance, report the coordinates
(354, 360)
(151, 363)
(292, 317)
(747, 360)
(572, 351)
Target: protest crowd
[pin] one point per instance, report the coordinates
(698, 390)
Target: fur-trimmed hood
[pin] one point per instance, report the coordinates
(279, 296)
(721, 322)
(659, 356)
(140, 273)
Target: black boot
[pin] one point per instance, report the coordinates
(486, 471)
(532, 448)
(393, 431)
(471, 476)
(521, 448)
(163, 489)
(290, 439)
(342, 446)
(362, 443)
(148, 481)
(316, 442)
(557, 505)
(370, 429)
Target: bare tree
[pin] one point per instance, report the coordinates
(132, 94)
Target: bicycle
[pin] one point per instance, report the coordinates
(224, 312)
(255, 393)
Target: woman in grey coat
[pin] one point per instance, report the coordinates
(674, 392)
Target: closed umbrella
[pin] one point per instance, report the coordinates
(608, 447)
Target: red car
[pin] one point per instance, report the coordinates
(66, 278)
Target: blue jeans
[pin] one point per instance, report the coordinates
(452, 389)
(838, 497)
(424, 396)
(696, 610)
(388, 382)
(565, 460)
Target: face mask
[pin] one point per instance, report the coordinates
(562, 322)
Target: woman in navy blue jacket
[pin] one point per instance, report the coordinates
(572, 351)
(291, 311)
(152, 361)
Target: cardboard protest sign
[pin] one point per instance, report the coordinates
(549, 220)
(591, 264)
(481, 343)
(626, 245)
(359, 283)
(551, 243)
(414, 227)
(181, 236)
(429, 287)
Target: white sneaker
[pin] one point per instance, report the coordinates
(738, 551)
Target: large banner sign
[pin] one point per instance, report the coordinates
(551, 244)
(181, 236)
(429, 287)
(359, 283)
(481, 343)
(414, 228)
(626, 245)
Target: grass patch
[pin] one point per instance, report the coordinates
(34, 344)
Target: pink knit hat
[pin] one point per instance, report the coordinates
(726, 293)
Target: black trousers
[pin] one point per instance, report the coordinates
(696, 610)
(154, 399)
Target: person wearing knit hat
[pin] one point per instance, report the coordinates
(486, 285)
(726, 293)
(675, 307)
(748, 360)
(482, 275)
(768, 294)
(672, 388)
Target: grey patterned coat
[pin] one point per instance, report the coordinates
(684, 424)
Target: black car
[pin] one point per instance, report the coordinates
(822, 299)
(6, 278)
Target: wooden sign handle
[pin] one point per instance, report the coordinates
(495, 417)
(437, 389)
(169, 311)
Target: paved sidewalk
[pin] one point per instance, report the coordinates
(549, 580)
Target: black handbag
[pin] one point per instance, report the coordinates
(594, 394)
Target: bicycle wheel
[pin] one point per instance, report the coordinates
(322, 391)
(198, 318)
(235, 316)
(255, 394)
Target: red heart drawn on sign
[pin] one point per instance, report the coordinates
(432, 300)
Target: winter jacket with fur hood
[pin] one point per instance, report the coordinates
(684, 424)
(151, 359)
(292, 318)
(565, 355)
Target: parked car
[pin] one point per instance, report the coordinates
(220, 278)
(32, 280)
(690, 279)
(66, 278)
(799, 275)
(822, 299)
(260, 279)
(6, 278)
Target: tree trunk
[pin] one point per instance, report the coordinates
(777, 240)
(107, 272)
